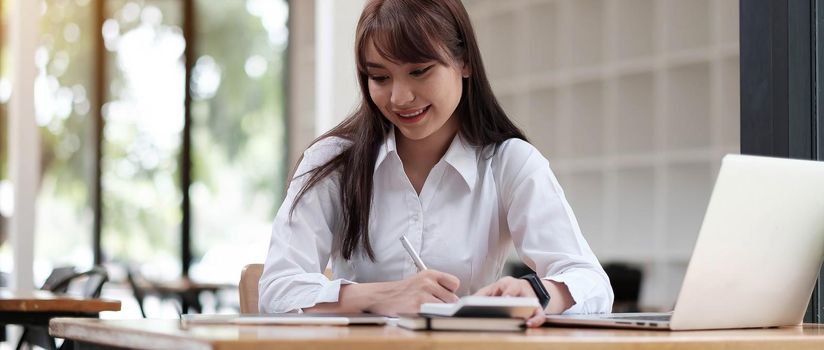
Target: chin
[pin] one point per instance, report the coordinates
(414, 135)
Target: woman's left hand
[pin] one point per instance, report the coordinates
(515, 287)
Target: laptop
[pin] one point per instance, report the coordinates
(757, 256)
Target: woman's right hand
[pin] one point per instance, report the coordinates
(407, 295)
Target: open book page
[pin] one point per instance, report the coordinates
(480, 306)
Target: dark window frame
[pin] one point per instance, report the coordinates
(186, 134)
(782, 58)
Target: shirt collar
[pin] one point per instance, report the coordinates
(460, 156)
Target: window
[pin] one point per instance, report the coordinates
(5, 186)
(144, 117)
(238, 133)
(237, 127)
(61, 94)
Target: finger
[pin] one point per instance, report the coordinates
(485, 291)
(445, 296)
(431, 299)
(448, 281)
(512, 290)
(496, 289)
(537, 319)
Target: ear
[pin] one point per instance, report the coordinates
(465, 72)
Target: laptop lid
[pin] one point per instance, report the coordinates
(760, 247)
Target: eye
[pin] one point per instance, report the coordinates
(421, 71)
(378, 78)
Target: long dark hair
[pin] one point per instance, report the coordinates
(409, 31)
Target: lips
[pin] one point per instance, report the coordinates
(412, 115)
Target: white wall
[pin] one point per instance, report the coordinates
(301, 91)
(323, 89)
(337, 87)
(24, 140)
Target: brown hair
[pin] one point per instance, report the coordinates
(408, 31)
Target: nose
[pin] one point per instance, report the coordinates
(402, 94)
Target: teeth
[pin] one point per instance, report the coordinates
(413, 114)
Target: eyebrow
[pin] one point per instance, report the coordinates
(374, 65)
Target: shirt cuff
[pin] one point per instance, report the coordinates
(584, 292)
(330, 293)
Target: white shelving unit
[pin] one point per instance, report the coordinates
(634, 102)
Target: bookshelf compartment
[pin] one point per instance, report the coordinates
(631, 101)
(498, 48)
(687, 24)
(543, 125)
(634, 210)
(730, 102)
(583, 32)
(585, 193)
(634, 124)
(688, 193)
(688, 107)
(634, 27)
(586, 120)
(542, 24)
(728, 21)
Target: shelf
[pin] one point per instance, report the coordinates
(567, 76)
(622, 161)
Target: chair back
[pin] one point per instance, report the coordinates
(248, 288)
(96, 277)
(138, 291)
(58, 278)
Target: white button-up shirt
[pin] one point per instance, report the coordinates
(474, 202)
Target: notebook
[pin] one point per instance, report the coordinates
(481, 306)
(419, 322)
(758, 253)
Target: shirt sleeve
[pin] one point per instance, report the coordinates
(544, 229)
(301, 245)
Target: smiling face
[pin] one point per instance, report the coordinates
(418, 98)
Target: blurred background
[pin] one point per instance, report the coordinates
(165, 128)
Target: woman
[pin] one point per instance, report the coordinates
(429, 155)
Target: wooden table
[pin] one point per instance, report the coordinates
(168, 334)
(183, 289)
(38, 306)
(35, 309)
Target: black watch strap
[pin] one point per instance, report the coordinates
(538, 287)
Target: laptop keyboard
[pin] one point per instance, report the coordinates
(642, 317)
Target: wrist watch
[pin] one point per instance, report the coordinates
(538, 288)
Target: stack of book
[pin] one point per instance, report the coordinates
(473, 313)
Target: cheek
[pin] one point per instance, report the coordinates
(378, 95)
(448, 92)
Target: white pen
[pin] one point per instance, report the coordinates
(415, 258)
